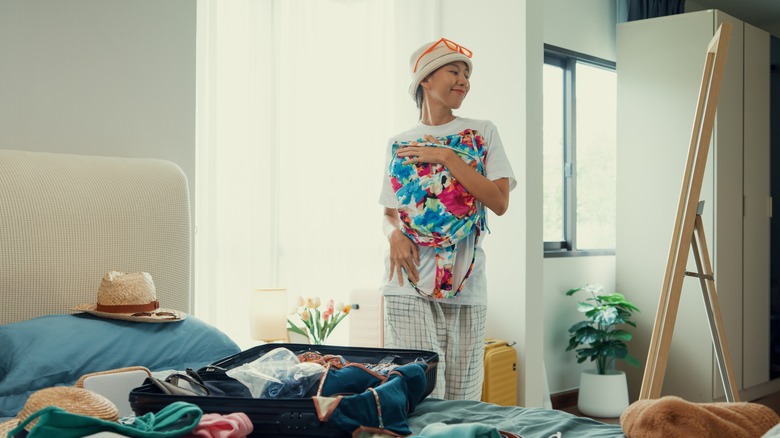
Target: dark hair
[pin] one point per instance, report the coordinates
(418, 95)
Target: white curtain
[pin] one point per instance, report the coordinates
(296, 100)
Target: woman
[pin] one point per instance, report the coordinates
(440, 176)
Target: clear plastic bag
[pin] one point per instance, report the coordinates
(278, 374)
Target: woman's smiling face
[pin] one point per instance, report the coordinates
(449, 85)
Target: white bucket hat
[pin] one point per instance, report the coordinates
(129, 297)
(433, 55)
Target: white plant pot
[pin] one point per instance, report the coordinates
(603, 395)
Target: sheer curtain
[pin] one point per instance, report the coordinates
(296, 99)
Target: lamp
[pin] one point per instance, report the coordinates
(269, 314)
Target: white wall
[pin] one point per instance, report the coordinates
(560, 312)
(100, 78)
(506, 88)
(585, 27)
(589, 28)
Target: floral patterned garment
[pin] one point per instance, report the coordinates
(435, 209)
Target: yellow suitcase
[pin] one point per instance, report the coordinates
(500, 384)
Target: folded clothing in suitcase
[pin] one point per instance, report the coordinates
(278, 417)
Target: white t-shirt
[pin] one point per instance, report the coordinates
(496, 167)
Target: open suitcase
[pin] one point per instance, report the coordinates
(279, 417)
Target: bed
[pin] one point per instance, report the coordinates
(66, 220)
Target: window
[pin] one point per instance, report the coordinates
(579, 154)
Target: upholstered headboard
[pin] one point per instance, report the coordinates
(66, 220)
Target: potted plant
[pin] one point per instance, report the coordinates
(603, 392)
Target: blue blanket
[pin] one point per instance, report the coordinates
(527, 422)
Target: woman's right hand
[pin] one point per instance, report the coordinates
(404, 256)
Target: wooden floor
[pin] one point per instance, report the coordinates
(772, 400)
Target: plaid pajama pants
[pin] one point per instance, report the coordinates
(456, 332)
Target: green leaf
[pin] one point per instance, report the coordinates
(614, 298)
(592, 353)
(585, 307)
(614, 349)
(318, 324)
(606, 316)
(578, 326)
(621, 335)
(587, 335)
(295, 329)
(631, 360)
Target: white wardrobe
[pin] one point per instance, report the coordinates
(660, 63)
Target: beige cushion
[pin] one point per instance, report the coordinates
(66, 220)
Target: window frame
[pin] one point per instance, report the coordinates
(567, 60)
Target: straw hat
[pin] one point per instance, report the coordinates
(74, 400)
(129, 297)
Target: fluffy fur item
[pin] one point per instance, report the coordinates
(671, 417)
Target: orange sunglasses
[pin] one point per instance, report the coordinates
(455, 47)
